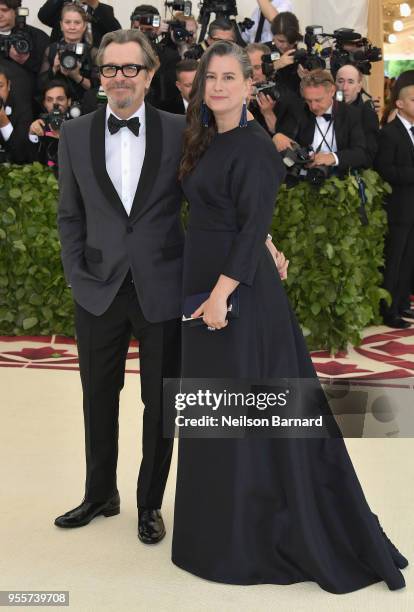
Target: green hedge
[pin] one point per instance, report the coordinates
(34, 298)
(334, 280)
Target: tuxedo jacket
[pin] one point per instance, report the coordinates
(349, 134)
(17, 149)
(370, 125)
(103, 20)
(395, 163)
(100, 242)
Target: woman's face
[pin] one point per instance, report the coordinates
(73, 26)
(282, 43)
(225, 86)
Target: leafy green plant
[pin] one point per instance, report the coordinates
(334, 281)
(34, 298)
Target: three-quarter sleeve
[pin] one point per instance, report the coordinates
(256, 175)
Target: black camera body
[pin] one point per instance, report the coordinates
(55, 119)
(194, 52)
(20, 39)
(185, 7)
(148, 19)
(269, 88)
(179, 31)
(70, 54)
(295, 160)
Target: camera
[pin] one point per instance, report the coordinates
(361, 54)
(269, 88)
(148, 19)
(185, 7)
(267, 62)
(179, 31)
(56, 118)
(20, 39)
(70, 54)
(295, 160)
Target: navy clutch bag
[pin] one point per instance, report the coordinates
(192, 302)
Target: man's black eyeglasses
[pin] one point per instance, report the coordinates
(128, 70)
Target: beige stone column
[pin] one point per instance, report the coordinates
(375, 83)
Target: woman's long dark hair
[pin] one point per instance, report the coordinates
(196, 137)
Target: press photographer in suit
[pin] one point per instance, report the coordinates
(185, 73)
(333, 129)
(15, 120)
(122, 244)
(395, 163)
(349, 80)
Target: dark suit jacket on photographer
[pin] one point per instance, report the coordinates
(350, 137)
(163, 86)
(16, 149)
(370, 125)
(103, 20)
(287, 110)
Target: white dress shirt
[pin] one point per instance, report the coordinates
(407, 126)
(329, 142)
(185, 104)
(7, 130)
(249, 35)
(124, 155)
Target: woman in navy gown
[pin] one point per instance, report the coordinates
(255, 510)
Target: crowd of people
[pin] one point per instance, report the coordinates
(318, 115)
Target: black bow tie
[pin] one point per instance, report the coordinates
(327, 116)
(114, 124)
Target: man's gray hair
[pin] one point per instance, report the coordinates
(121, 37)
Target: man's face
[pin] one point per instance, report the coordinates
(7, 18)
(124, 92)
(348, 80)
(319, 98)
(191, 26)
(184, 83)
(255, 58)
(56, 95)
(4, 87)
(222, 35)
(405, 102)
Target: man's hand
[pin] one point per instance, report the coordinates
(376, 102)
(282, 142)
(37, 128)
(265, 103)
(4, 120)
(302, 72)
(20, 58)
(280, 260)
(322, 159)
(285, 60)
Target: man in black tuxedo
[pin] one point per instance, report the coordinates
(185, 72)
(15, 119)
(122, 244)
(101, 15)
(333, 129)
(349, 80)
(395, 163)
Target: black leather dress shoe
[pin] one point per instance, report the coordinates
(396, 322)
(83, 514)
(151, 527)
(407, 314)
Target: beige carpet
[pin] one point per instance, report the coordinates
(103, 565)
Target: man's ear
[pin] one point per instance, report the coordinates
(399, 104)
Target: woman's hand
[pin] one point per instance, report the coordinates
(279, 258)
(286, 59)
(213, 311)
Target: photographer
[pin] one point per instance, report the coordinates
(331, 129)
(262, 17)
(146, 18)
(101, 17)
(286, 35)
(15, 119)
(185, 73)
(71, 59)
(269, 102)
(44, 133)
(21, 43)
(349, 81)
(219, 29)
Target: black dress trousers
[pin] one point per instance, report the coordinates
(103, 346)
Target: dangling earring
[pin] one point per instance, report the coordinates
(243, 118)
(205, 115)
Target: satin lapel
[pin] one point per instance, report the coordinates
(405, 135)
(151, 165)
(97, 145)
